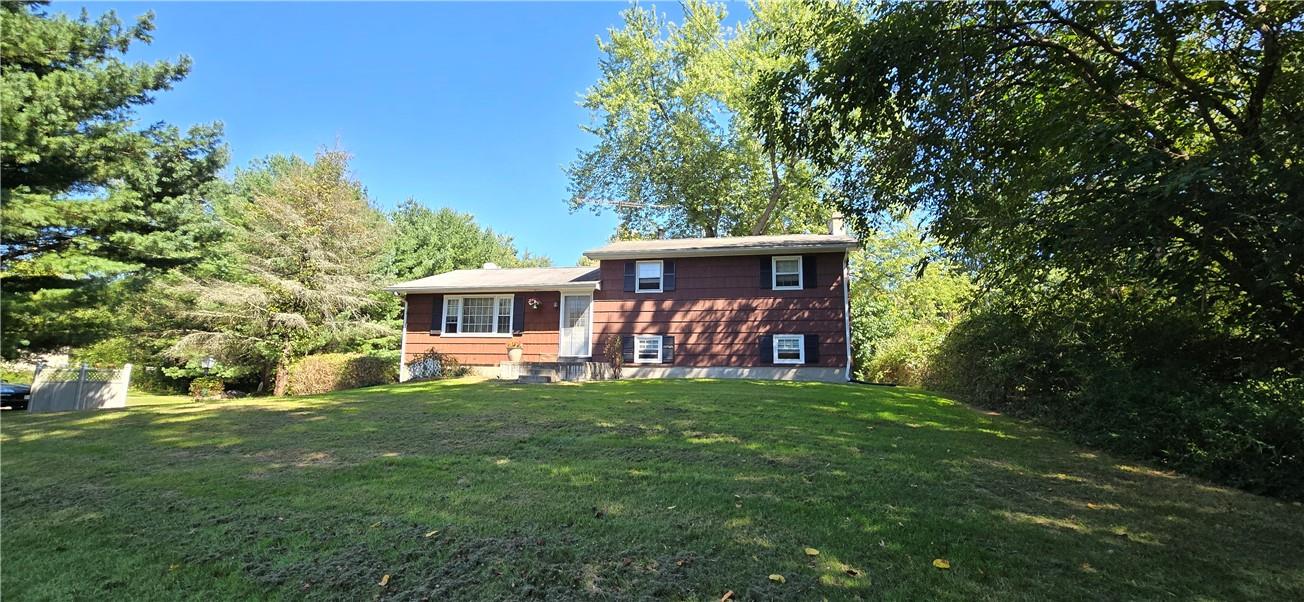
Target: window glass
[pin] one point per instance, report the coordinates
(787, 272)
(477, 314)
(450, 316)
(647, 349)
(788, 348)
(649, 275)
(504, 315)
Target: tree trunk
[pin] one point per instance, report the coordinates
(282, 374)
(776, 191)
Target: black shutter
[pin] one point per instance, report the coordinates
(436, 313)
(668, 275)
(627, 348)
(767, 349)
(808, 277)
(518, 315)
(812, 349)
(767, 276)
(629, 276)
(667, 350)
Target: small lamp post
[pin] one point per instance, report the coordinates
(207, 363)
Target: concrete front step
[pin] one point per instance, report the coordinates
(531, 379)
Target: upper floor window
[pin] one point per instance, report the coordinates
(649, 276)
(787, 273)
(479, 315)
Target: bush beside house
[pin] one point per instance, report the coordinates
(337, 371)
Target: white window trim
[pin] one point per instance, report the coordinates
(660, 349)
(661, 278)
(801, 348)
(461, 307)
(774, 273)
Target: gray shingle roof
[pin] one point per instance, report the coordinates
(502, 280)
(727, 245)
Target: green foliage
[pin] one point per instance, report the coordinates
(1131, 372)
(328, 372)
(423, 243)
(10, 373)
(207, 387)
(296, 275)
(902, 305)
(154, 380)
(1125, 179)
(92, 205)
(1104, 144)
(675, 156)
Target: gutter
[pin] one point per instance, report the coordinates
(846, 307)
(402, 344)
(583, 287)
(720, 252)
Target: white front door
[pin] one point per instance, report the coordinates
(576, 327)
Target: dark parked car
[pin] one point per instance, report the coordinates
(15, 397)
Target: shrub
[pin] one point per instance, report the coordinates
(432, 365)
(11, 373)
(207, 387)
(338, 371)
(1145, 377)
(611, 349)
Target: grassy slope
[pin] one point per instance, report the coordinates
(672, 489)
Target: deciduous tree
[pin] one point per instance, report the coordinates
(674, 156)
(297, 274)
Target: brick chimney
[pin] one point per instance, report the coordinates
(837, 226)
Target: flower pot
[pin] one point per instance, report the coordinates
(515, 354)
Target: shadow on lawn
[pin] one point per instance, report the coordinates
(660, 489)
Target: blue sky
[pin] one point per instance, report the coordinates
(469, 106)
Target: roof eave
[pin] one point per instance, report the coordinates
(760, 250)
(570, 286)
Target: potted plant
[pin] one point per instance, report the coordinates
(514, 351)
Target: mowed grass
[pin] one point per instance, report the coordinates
(617, 490)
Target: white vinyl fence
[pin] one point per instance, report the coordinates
(79, 388)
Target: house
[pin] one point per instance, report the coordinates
(773, 307)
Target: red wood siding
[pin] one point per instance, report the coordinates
(718, 312)
(539, 338)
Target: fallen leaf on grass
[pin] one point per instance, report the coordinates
(727, 596)
(812, 552)
(853, 573)
(384, 581)
(777, 578)
(941, 564)
(432, 533)
(375, 524)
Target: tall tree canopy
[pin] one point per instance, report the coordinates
(424, 242)
(90, 202)
(296, 274)
(674, 156)
(1149, 146)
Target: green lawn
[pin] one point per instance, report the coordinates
(670, 489)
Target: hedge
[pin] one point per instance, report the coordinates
(338, 371)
